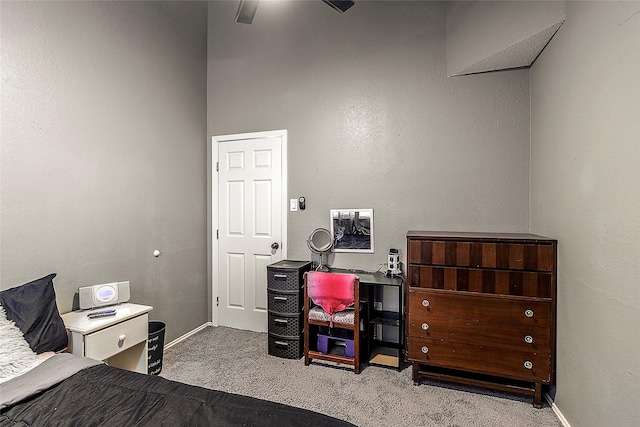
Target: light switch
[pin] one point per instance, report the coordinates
(293, 205)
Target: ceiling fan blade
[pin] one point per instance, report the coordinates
(339, 5)
(246, 11)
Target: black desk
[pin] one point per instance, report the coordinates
(379, 351)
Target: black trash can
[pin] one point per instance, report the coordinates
(156, 347)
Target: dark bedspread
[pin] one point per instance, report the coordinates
(101, 395)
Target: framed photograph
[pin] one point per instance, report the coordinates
(352, 230)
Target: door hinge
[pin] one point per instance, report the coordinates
(217, 166)
(217, 234)
(217, 301)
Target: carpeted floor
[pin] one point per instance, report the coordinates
(237, 361)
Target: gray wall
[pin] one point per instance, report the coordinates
(103, 143)
(373, 120)
(585, 191)
(103, 151)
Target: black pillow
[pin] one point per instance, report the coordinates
(33, 308)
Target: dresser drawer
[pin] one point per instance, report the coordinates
(287, 275)
(489, 281)
(286, 325)
(522, 365)
(488, 334)
(102, 344)
(483, 307)
(281, 302)
(486, 254)
(284, 280)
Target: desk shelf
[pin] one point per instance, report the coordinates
(386, 355)
(382, 352)
(387, 344)
(386, 318)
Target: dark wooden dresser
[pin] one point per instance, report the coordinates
(481, 309)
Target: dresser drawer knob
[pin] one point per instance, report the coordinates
(528, 364)
(425, 302)
(528, 313)
(528, 339)
(425, 326)
(121, 339)
(425, 349)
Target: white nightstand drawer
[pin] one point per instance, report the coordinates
(107, 342)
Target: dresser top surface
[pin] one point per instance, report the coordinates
(459, 235)
(371, 278)
(78, 321)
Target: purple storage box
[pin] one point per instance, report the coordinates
(327, 345)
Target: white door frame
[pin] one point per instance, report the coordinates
(215, 140)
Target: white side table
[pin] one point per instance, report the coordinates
(119, 340)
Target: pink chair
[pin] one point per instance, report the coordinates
(330, 303)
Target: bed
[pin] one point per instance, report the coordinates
(40, 385)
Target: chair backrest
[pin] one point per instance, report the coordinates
(332, 291)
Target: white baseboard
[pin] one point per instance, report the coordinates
(187, 335)
(556, 410)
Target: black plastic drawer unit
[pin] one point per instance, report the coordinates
(284, 289)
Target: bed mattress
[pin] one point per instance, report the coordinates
(102, 395)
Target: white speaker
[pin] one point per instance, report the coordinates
(101, 295)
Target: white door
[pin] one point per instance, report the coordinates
(251, 217)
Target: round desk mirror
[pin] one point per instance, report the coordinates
(321, 242)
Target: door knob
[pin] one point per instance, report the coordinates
(275, 246)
